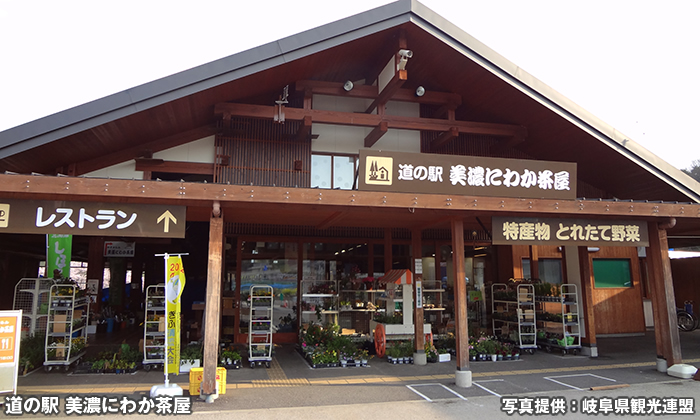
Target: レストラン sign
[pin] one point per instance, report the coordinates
(87, 218)
(465, 175)
(546, 231)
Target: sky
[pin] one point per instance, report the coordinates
(630, 63)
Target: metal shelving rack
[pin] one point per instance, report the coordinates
(569, 325)
(524, 305)
(319, 293)
(32, 297)
(154, 327)
(67, 321)
(260, 325)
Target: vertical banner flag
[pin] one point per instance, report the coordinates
(174, 286)
(58, 254)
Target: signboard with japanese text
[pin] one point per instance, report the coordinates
(465, 175)
(58, 254)
(119, 249)
(10, 321)
(562, 232)
(88, 218)
(175, 283)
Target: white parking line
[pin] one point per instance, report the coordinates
(411, 387)
(486, 389)
(550, 378)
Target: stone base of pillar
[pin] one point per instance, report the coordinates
(420, 359)
(463, 378)
(661, 365)
(589, 351)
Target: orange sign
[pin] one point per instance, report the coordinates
(8, 332)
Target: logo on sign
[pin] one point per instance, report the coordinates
(4, 215)
(380, 170)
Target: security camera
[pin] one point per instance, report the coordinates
(406, 54)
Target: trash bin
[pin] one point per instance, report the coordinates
(110, 325)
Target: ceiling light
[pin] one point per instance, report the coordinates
(348, 86)
(420, 91)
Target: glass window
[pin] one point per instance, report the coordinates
(333, 171)
(550, 270)
(320, 171)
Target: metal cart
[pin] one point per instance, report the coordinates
(66, 332)
(154, 327)
(260, 325)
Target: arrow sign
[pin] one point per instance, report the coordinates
(168, 217)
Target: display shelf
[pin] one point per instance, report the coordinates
(562, 321)
(515, 308)
(317, 294)
(154, 327)
(66, 332)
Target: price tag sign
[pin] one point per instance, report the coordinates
(419, 266)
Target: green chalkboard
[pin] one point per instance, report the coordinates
(612, 272)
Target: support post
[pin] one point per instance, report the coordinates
(463, 375)
(419, 356)
(589, 341)
(96, 268)
(663, 299)
(213, 304)
(388, 265)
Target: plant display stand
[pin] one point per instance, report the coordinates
(32, 298)
(564, 323)
(399, 306)
(260, 325)
(513, 314)
(319, 299)
(66, 331)
(154, 327)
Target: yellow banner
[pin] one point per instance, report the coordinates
(173, 289)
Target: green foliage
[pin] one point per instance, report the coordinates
(694, 170)
(31, 351)
(190, 353)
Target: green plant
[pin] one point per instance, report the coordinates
(32, 351)
(190, 353)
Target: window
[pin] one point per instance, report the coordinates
(549, 270)
(333, 171)
(612, 273)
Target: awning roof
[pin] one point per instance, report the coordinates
(396, 277)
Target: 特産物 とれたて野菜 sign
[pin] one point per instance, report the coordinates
(465, 175)
(580, 232)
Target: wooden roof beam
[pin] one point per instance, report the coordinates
(160, 165)
(449, 100)
(389, 90)
(445, 137)
(331, 220)
(304, 128)
(376, 134)
(373, 120)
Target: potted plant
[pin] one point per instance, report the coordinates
(190, 356)
(230, 358)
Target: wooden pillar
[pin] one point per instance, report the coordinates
(388, 257)
(237, 293)
(370, 259)
(587, 299)
(96, 268)
(213, 304)
(662, 296)
(463, 373)
(534, 263)
(418, 318)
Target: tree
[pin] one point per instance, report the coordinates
(694, 170)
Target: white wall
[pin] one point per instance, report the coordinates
(200, 151)
(345, 139)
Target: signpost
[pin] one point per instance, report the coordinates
(174, 285)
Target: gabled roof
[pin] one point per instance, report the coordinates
(179, 108)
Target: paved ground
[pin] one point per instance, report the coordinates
(290, 388)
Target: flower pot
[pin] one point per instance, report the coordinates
(500, 357)
(494, 357)
(364, 362)
(516, 356)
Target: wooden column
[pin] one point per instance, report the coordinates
(388, 257)
(213, 304)
(587, 299)
(460, 296)
(662, 296)
(534, 263)
(418, 318)
(96, 268)
(237, 294)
